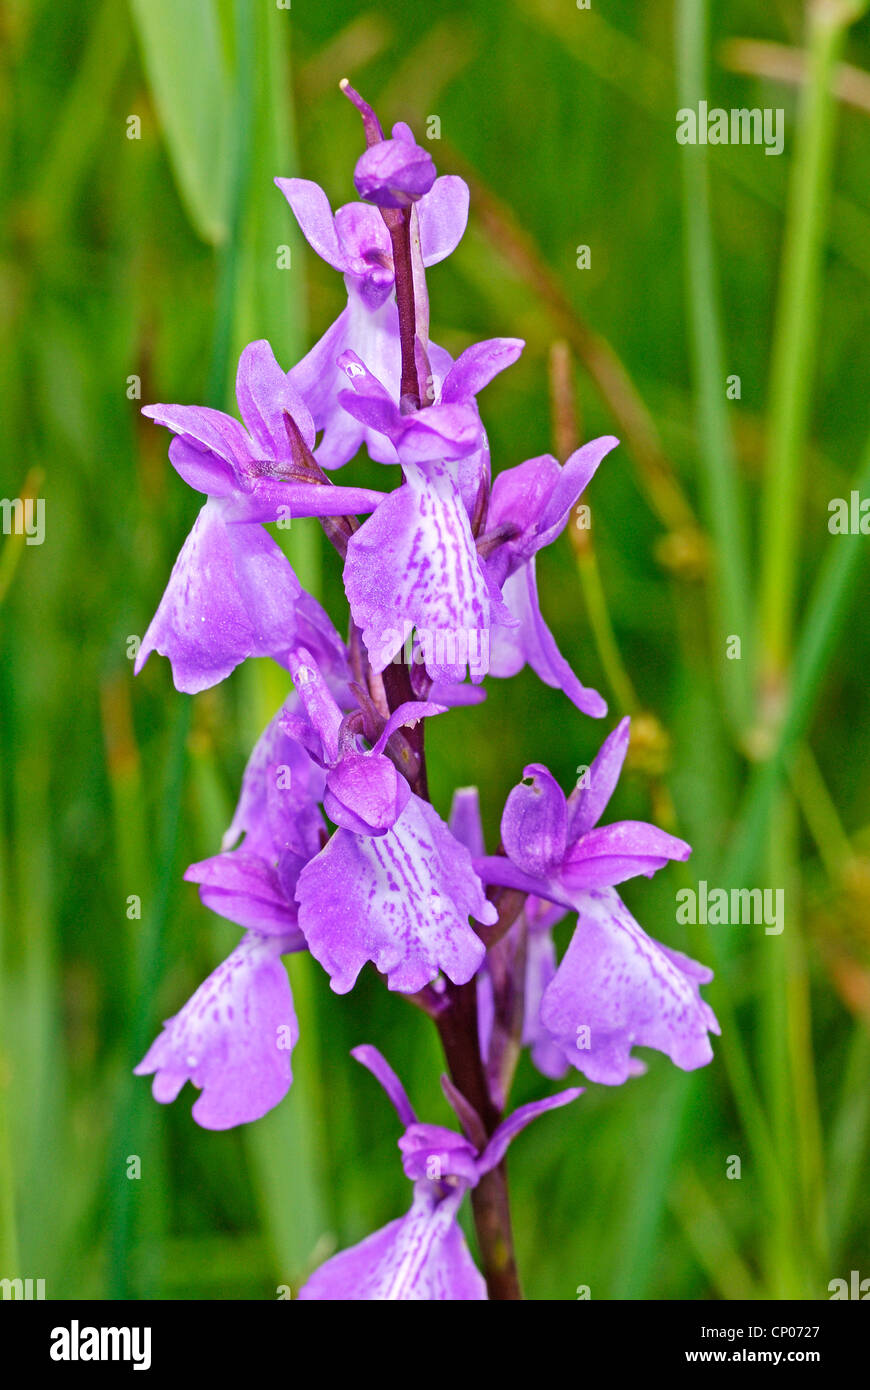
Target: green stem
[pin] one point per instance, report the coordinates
(227, 282)
(848, 1137)
(825, 614)
(8, 1225)
(791, 1094)
(772, 956)
(723, 499)
(602, 631)
(795, 335)
(821, 815)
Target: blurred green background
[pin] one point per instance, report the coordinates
(139, 256)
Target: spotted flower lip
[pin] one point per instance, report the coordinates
(391, 885)
(232, 1039)
(401, 900)
(493, 598)
(414, 563)
(423, 1255)
(228, 597)
(394, 173)
(616, 988)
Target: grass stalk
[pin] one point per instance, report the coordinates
(795, 335)
(723, 499)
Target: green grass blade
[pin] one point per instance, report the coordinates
(181, 52)
(724, 505)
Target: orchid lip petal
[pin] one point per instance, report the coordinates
(626, 989)
(421, 1256)
(401, 900)
(414, 561)
(231, 594)
(232, 1039)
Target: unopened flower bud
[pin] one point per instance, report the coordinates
(394, 173)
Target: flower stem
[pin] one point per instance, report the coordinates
(489, 1200)
(398, 223)
(399, 226)
(457, 1021)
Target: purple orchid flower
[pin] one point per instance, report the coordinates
(356, 242)
(441, 575)
(233, 1038)
(625, 989)
(615, 987)
(232, 593)
(392, 885)
(423, 1255)
(449, 427)
(414, 563)
(364, 791)
(529, 508)
(476, 600)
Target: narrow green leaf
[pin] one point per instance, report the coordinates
(181, 53)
